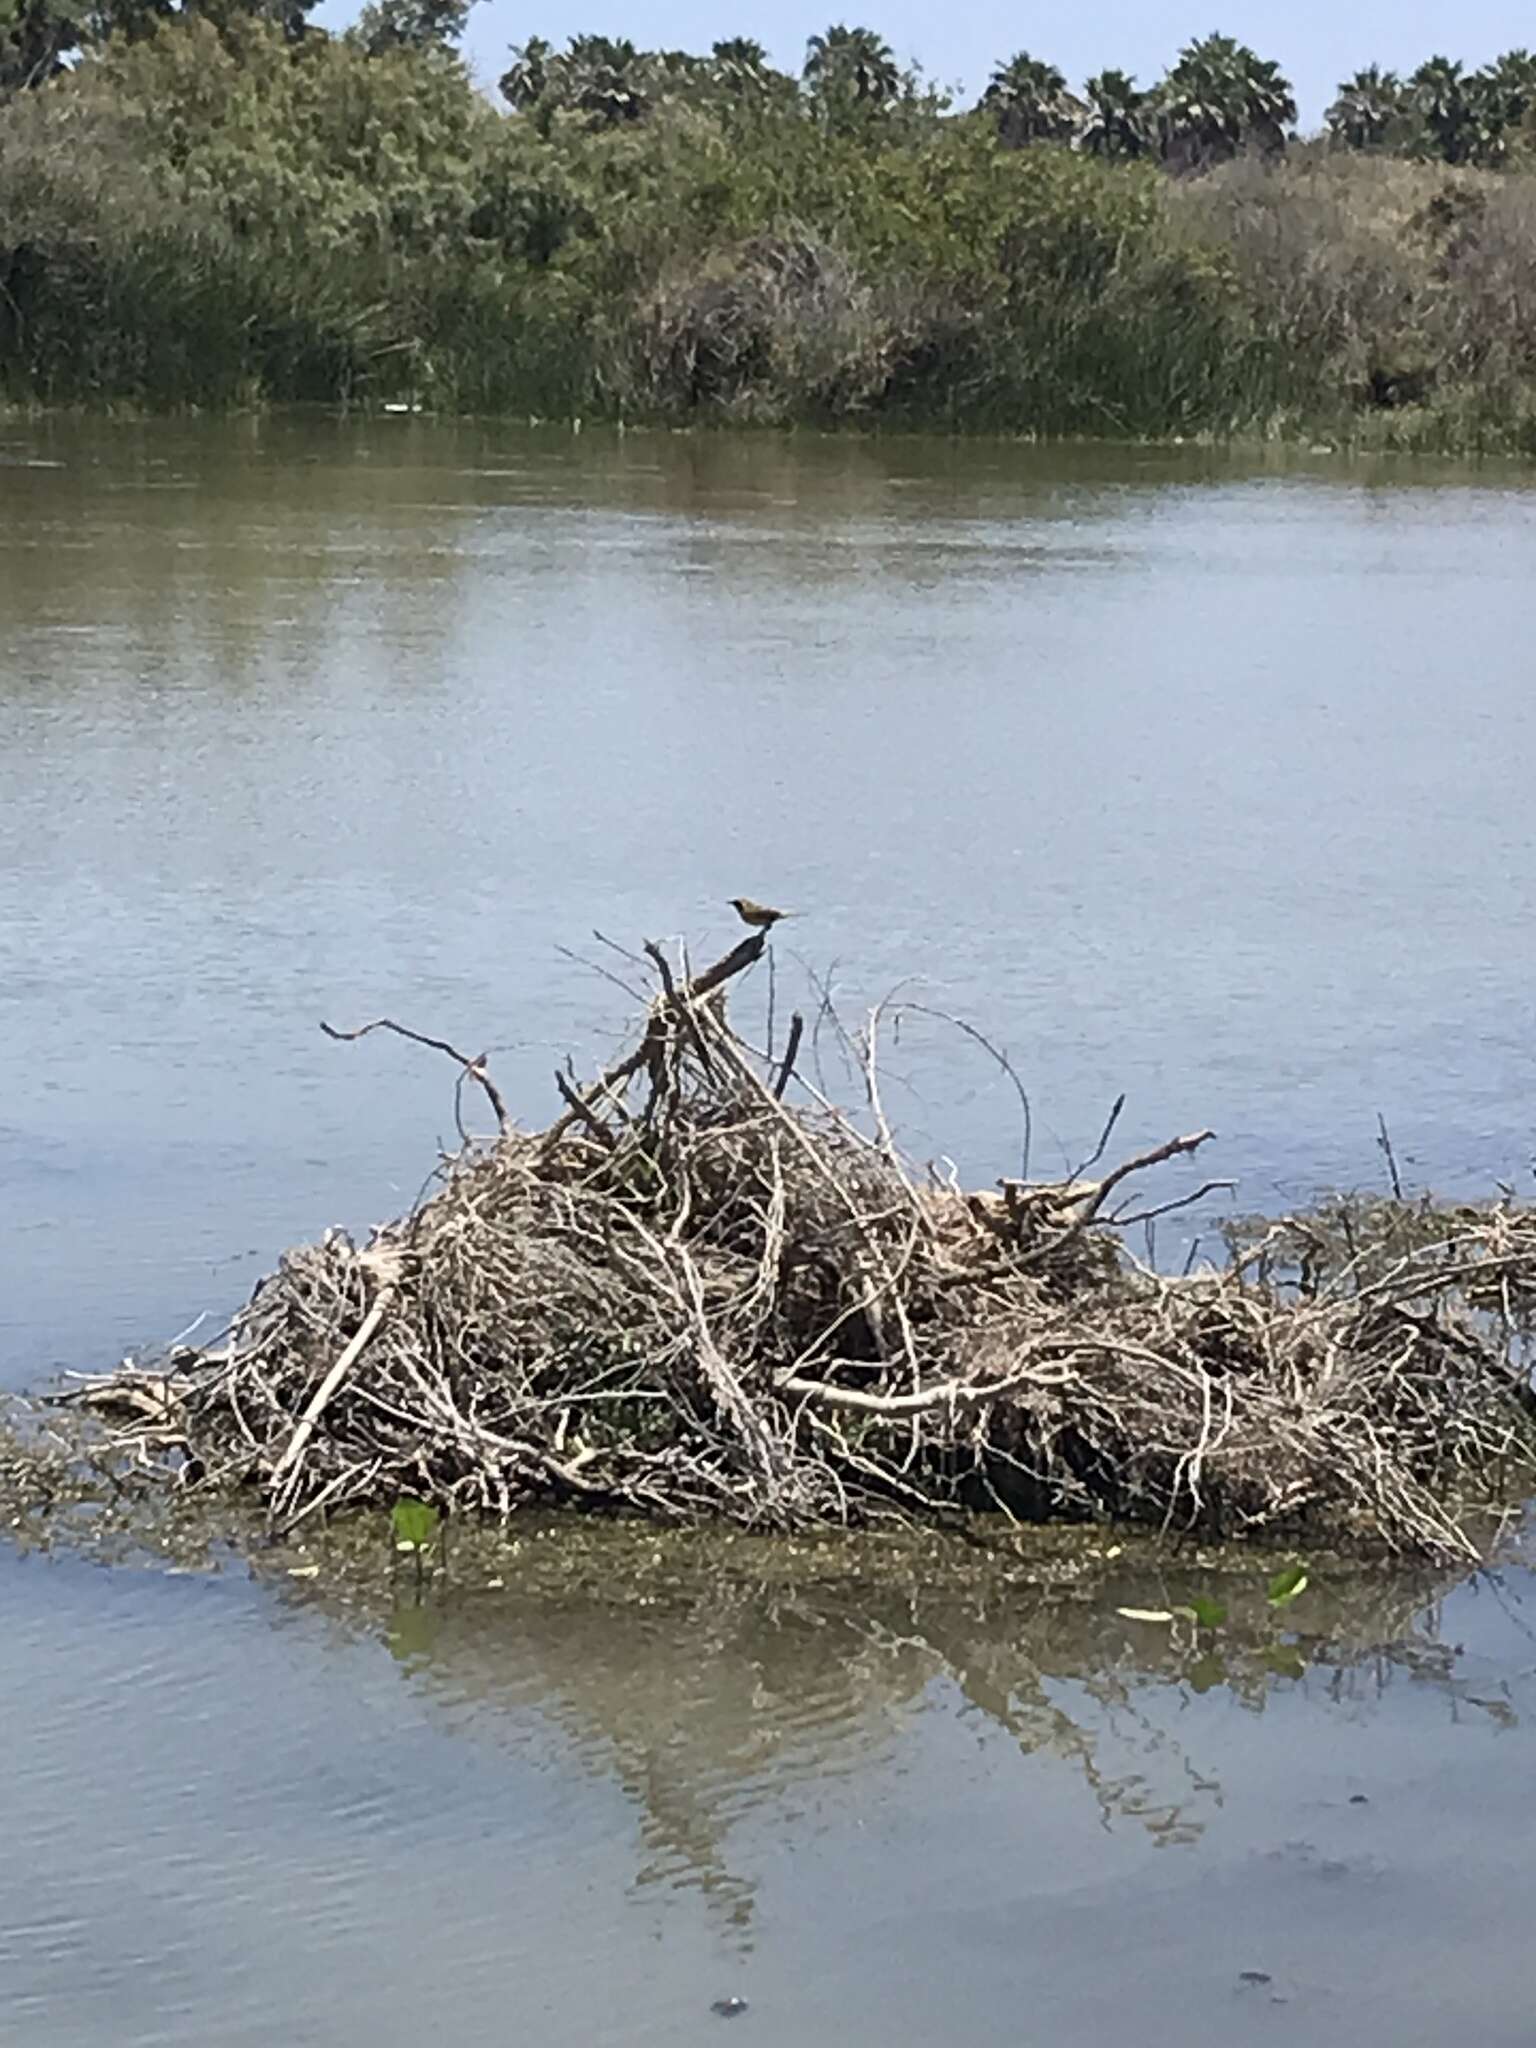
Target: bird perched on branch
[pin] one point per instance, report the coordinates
(757, 914)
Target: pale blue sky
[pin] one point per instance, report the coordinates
(1316, 42)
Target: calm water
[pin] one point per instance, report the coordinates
(240, 1816)
(1205, 781)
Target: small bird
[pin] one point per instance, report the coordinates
(757, 914)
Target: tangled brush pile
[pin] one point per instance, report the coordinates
(692, 1297)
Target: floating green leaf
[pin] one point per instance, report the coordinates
(1287, 1586)
(1207, 1613)
(414, 1523)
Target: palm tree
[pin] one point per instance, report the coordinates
(1502, 95)
(851, 65)
(608, 79)
(410, 25)
(1511, 81)
(1444, 103)
(1221, 98)
(525, 81)
(739, 53)
(1370, 111)
(739, 67)
(1118, 121)
(673, 75)
(1030, 102)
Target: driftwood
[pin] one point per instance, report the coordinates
(691, 1296)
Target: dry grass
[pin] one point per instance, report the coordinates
(690, 1299)
(1395, 290)
(781, 327)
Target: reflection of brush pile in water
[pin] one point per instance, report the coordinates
(690, 1299)
(821, 1655)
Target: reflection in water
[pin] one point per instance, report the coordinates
(884, 1799)
(712, 1688)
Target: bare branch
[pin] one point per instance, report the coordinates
(1210, 1187)
(1139, 1164)
(959, 1396)
(474, 1069)
(791, 1050)
(1104, 1137)
(583, 1111)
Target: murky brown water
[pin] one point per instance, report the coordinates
(1206, 781)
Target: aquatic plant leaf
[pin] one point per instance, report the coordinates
(1206, 1613)
(414, 1523)
(1287, 1586)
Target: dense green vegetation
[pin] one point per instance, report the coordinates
(226, 205)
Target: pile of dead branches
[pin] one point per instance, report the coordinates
(706, 1291)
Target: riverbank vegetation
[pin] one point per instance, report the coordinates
(704, 1293)
(227, 206)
